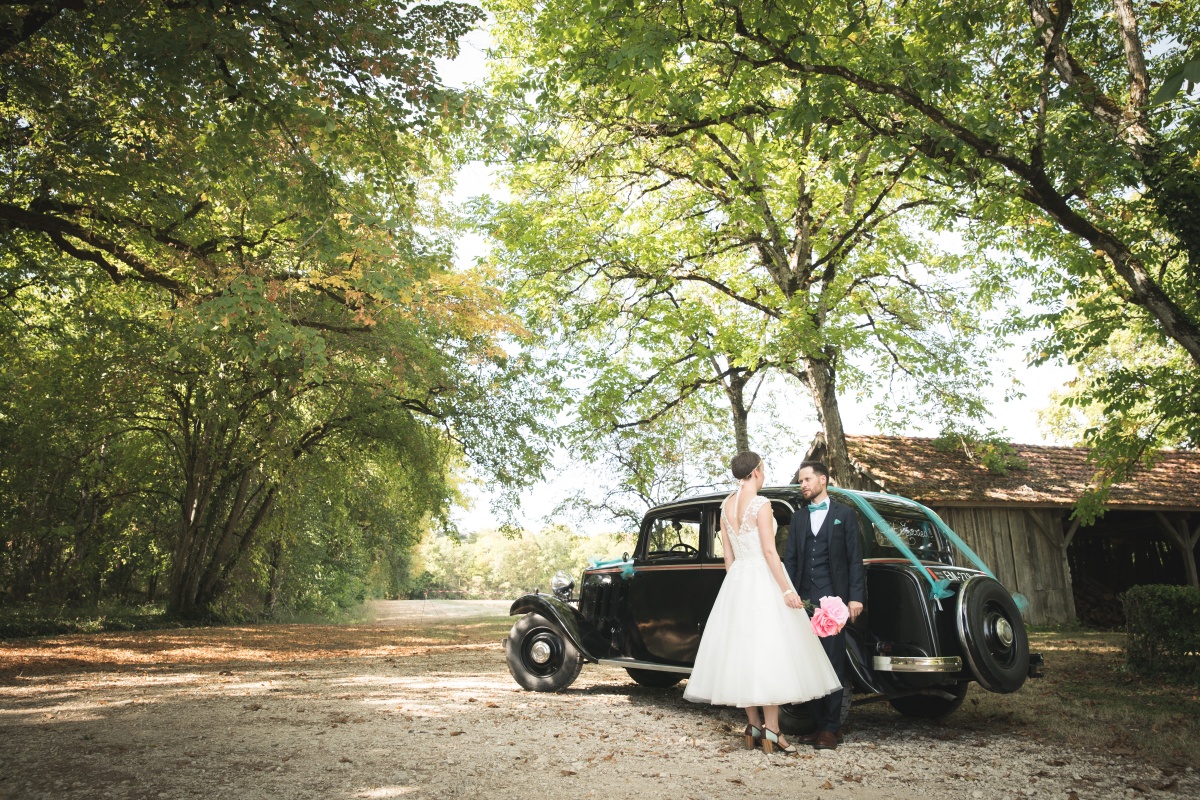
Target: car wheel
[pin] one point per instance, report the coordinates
(655, 679)
(796, 719)
(992, 635)
(540, 657)
(932, 706)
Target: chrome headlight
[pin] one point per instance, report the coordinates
(562, 583)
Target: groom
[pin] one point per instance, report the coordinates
(824, 558)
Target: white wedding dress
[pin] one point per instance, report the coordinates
(756, 650)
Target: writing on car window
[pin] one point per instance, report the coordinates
(917, 534)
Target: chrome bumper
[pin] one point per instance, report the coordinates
(918, 664)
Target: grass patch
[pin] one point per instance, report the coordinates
(1087, 699)
(26, 621)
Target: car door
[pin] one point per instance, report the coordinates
(674, 584)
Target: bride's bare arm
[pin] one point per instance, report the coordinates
(766, 536)
(726, 550)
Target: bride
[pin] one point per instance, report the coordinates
(758, 648)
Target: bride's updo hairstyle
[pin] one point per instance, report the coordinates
(745, 463)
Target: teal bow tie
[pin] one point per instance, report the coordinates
(824, 504)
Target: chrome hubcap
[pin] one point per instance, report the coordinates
(540, 652)
(1004, 632)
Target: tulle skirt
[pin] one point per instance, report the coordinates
(756, 650)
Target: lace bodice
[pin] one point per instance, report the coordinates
(743, 537)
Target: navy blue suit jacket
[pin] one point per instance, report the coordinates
(845, 551)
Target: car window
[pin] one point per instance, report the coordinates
(675, 536)
(918, 534)
(783, 519)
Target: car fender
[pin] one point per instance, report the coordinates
(568, 620)
(861, 677)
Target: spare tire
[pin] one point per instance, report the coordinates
(992, 635)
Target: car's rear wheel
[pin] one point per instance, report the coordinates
(992, 635)
(655, 679)
(540, 657)
(943, 703)
(797, 719)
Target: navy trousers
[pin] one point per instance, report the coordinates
(827, 710)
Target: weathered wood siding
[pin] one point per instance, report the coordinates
(1023, 555)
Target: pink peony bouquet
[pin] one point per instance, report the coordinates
(830, 618)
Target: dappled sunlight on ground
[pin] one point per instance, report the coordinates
(265, 644)
(317, 712)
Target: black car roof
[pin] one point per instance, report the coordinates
(889, 504)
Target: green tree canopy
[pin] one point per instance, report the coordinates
(224, 269)
(684, 197)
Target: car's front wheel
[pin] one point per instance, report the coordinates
(655, 679)
(540, 657)
(938, 703)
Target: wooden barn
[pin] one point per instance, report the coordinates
(1020, 523)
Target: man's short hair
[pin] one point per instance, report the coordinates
(815, 466)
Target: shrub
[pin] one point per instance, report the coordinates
(1162, 624)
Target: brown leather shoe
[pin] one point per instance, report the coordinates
(825, 740)
(811, 738)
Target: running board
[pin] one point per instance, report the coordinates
(631, 663)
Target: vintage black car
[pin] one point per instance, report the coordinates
(930, 627)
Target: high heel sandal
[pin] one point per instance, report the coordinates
(771, 743)
(753, 736)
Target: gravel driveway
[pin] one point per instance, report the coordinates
(268, 713)
(408, 612)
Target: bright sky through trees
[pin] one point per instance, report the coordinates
(1017, 417)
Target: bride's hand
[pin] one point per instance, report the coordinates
(793, 600)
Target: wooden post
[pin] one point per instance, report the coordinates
(1185, 541)
(1061, 543)
(1069, 535)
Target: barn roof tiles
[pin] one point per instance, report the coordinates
(1054, 476)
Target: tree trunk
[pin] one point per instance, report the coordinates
(1186, 542)
(274, 575)
(735, 390)
(821, 377)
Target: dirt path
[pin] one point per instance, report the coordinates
(393, 613)
(426, 712)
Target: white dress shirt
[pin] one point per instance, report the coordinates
(817, 518)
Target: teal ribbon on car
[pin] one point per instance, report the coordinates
(626, 565)
(1021, 600)
(939, 589)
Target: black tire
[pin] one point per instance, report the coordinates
(932, 706)
(795, 718)
(655, 679)
(992, 635)
(540, 657)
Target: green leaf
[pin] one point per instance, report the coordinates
(1173, 83)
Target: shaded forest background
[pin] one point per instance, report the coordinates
(241, 372)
